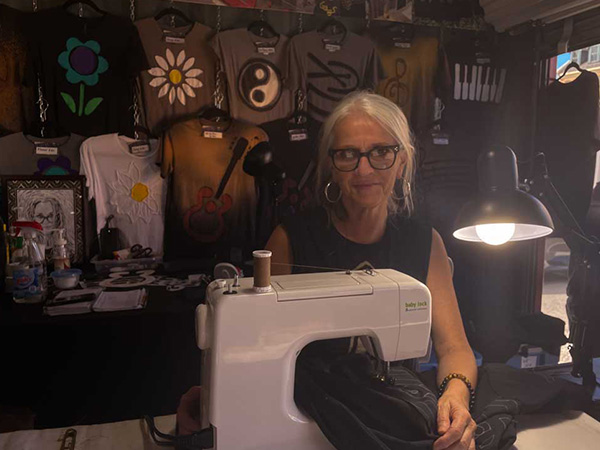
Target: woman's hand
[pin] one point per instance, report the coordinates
(188, 412)
(455, 424)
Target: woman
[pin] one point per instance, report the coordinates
(365, 152)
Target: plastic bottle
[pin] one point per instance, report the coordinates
(29, 266)
(60, 254)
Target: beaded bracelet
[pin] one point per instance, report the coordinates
(461, 377)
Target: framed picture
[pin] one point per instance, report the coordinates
(54, 202)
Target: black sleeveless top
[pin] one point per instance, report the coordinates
(405, 246)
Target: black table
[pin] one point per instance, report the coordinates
(99, 367)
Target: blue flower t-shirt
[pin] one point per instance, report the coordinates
(22, 154)
(87, 68)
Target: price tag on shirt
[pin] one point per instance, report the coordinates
(298, 135)
(46, 150)
(333, 47)
(209, 134)
(139, 148)
(174, 40)
(440, 138)
(527, 362)
(402, 42)
(265, 50)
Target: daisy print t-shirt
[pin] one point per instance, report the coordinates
(181, 78)
(126, 183)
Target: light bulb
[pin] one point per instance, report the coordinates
(495, 233)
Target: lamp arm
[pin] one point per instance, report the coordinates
(541, 186)
(584, 280)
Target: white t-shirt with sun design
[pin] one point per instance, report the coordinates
(128, 186)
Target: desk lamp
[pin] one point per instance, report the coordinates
(503, 211)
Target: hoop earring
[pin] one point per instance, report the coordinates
(329, 199)
(408, 189)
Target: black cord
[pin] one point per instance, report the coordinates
(200, 440)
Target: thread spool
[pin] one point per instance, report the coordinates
(262, 270)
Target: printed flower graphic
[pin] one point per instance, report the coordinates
(84, 65)
(135, 197)
(178, 78)
(60, 166)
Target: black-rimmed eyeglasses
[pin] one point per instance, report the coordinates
(380, 158)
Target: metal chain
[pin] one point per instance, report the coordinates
(136, 106)
(300, 23)
(35, 5)
(80, 12)
(261, 14)
(219, 20)
(172, 15)
(299, 100)
(136, 109)
(218, 95)
(132, 10)
(42, 105)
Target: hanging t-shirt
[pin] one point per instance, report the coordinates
(181, 79)
(87, 68)
(476, 87)
(126, 183)
(21, 154)
(255, 69)
(294, 150)
(210, 213)
(568, 134)
(327, 67)
(411, 69)
(12, 69)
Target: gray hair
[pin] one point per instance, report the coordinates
(392, 119)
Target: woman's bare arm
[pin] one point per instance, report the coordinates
(279, 244)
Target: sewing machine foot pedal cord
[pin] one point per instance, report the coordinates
(200, 440)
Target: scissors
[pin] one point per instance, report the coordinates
(137, 251)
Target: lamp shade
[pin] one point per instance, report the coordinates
(501, 208)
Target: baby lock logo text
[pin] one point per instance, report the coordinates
(415, 306)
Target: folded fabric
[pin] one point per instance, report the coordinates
(356, 410)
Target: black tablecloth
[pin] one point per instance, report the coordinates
(99, 367)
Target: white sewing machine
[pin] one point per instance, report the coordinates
(251, 340)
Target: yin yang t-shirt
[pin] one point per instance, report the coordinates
(255, 71)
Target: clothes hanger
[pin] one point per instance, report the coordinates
(572, 65)
(298, 118)
(140, 133)
(171, 11)
(214, 114)
(45, 130)
(332, 28)
(90, 3)
(258, 28)
(404, 31)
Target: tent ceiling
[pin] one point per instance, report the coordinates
(505, 14)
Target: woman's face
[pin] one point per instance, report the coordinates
(365, 186)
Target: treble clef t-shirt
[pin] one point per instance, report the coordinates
(328, 67)
(411, 69)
